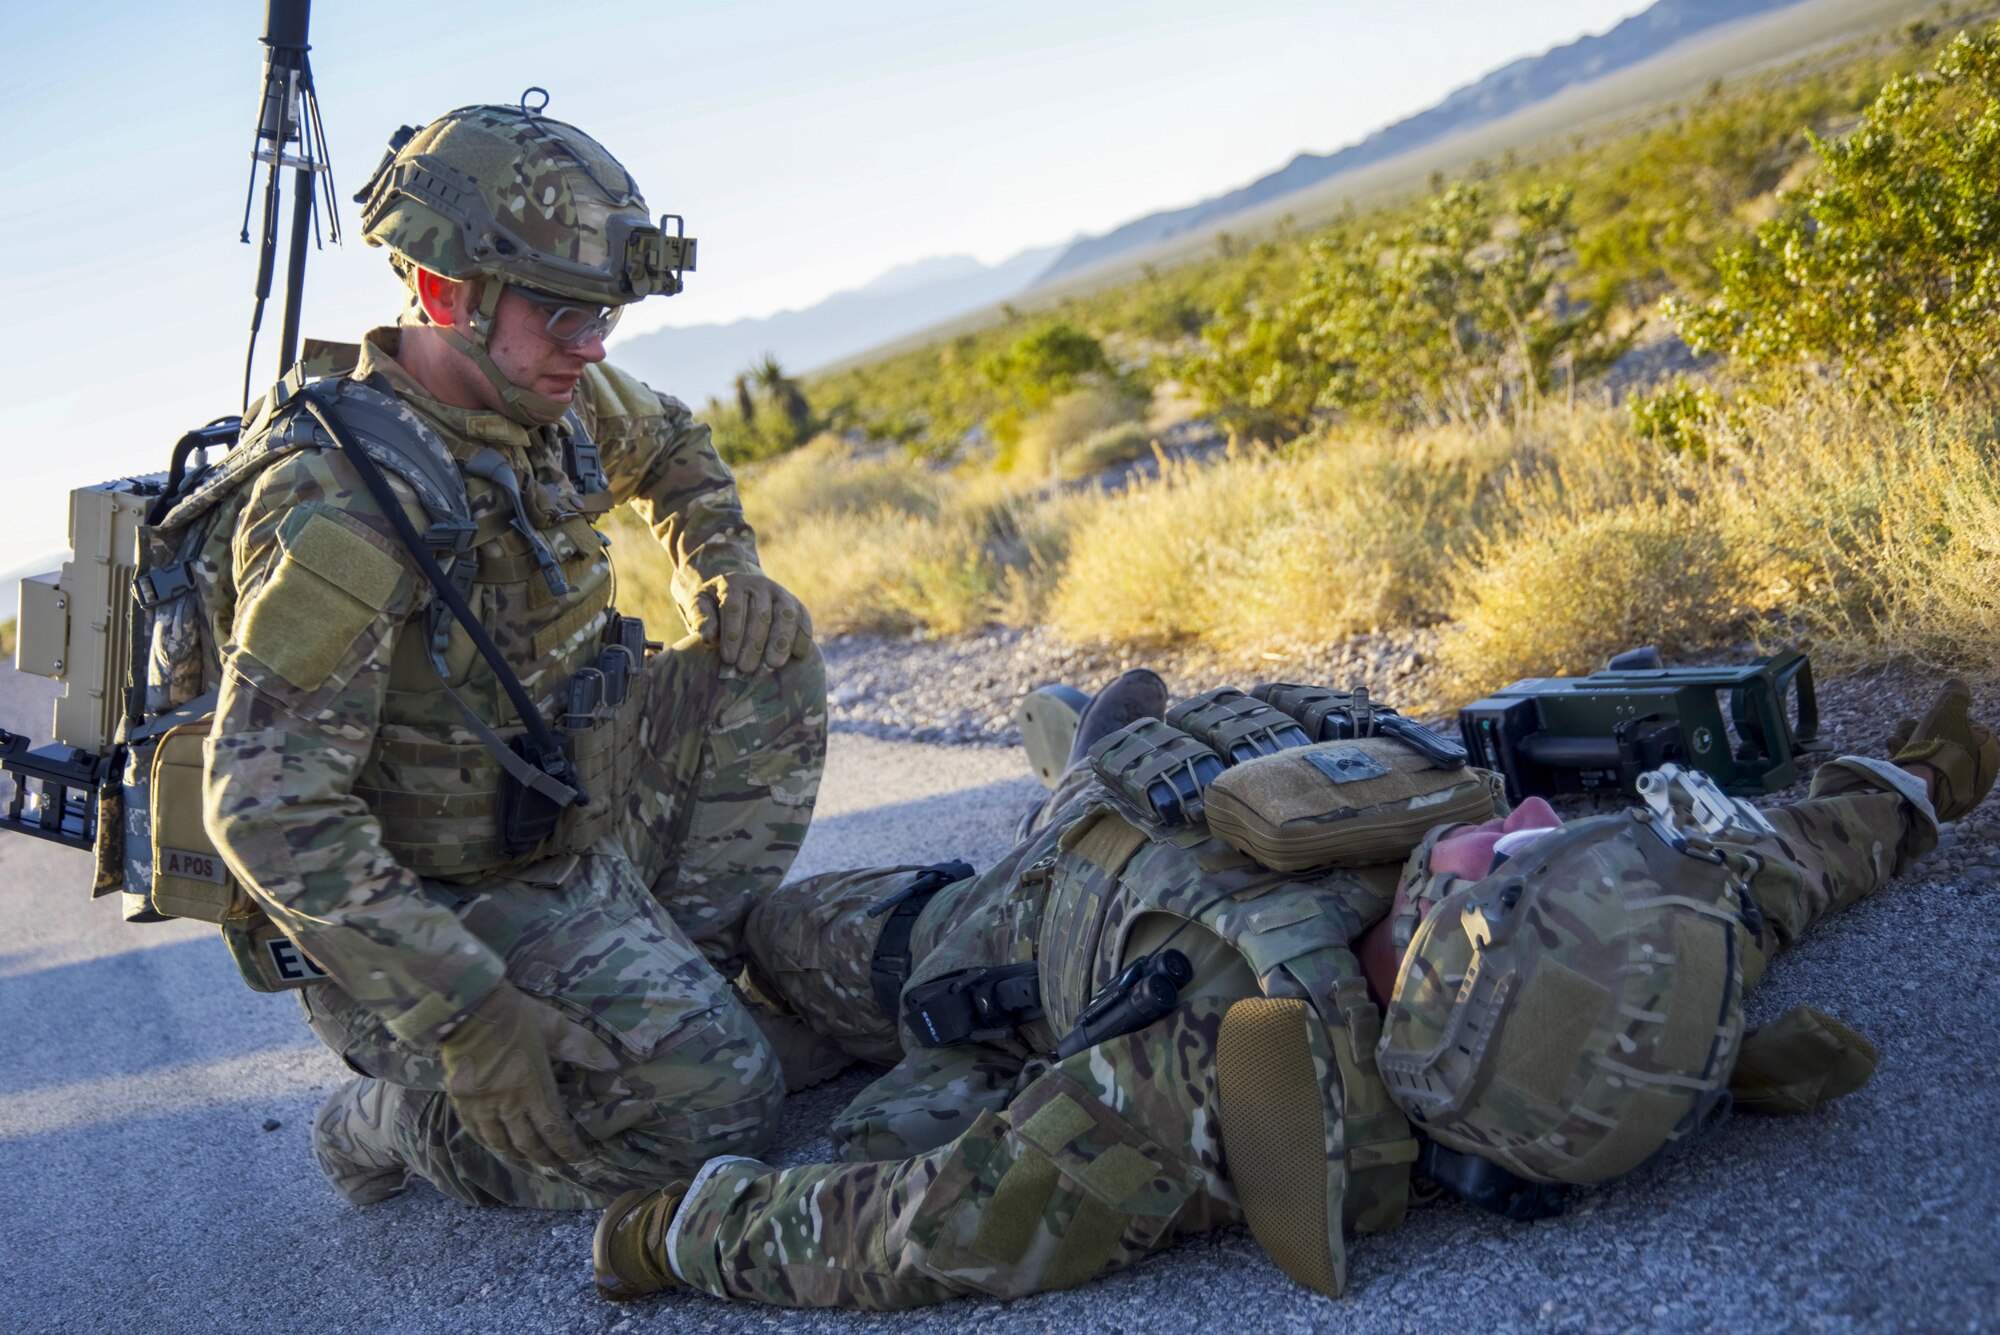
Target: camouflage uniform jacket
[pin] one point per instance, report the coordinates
(311, 605)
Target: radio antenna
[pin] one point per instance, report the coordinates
(289, 135)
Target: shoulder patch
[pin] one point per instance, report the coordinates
(331, 582)
(342, 552)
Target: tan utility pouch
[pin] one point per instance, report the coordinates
(1341, 804)
(190, 879)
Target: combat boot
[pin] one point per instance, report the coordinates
(1136, 694)
(1047, 718)
(628, 1253)
(1059, 724)
(1961, 754)
(352, 1143)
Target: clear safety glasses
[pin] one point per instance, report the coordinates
(570, 324)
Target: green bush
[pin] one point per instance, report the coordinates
(1449, 318)
(1886, 270)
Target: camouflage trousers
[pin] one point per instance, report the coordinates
(636, 939)
(999, 1172)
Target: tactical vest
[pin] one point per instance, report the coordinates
(526, 557)
(1071, 912)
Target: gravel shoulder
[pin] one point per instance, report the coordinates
(138, 1075)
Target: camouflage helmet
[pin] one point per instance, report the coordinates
(508, 192)
(1576, 1009)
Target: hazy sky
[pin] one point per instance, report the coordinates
(810, 146)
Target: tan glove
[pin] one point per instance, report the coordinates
(1964, 755)
(753, 621)
(498, 1075)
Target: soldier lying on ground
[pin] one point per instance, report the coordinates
(1561, 1003)
(532, 987)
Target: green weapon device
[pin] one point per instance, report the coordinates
(1743, 726)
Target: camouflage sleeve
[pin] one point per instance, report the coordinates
(322, 586)
(662, 461)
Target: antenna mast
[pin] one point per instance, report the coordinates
(289, 135)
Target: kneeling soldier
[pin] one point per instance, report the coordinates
(1552, 1005)
(507, 846)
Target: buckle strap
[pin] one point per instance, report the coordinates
(488, 464)
(163, 584)
(890, 965)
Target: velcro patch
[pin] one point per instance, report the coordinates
(331, 549)
(1059, 1121)
(290, 966)
(329, 584)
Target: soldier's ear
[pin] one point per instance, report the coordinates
(446, 301)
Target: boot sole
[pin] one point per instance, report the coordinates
(1274, 1137)
(1047, 719)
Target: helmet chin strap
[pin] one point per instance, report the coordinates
(518, 404)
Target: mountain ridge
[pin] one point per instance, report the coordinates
(1517, 84)
(701, 361)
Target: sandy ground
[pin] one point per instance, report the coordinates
(154, 1164)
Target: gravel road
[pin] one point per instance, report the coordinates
(154, 1120)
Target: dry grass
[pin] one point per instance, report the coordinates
(1259, 550)
(1051, 440)
(1861, 532)
(1569, 588)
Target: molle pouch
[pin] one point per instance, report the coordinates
(1341, 804)
(1236, 727)
(190, 880)
(1156, 772)
(1323, 713)
(527, 817)
(167, 626)
(601, 727)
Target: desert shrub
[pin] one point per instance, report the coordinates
(1109, 448)
(882, 570)
(828, 475)
(1885, 270)
(1261, 550)
(1567, 589)
(1449, 318)
(771, 415)
(1940, 556)
(1047, 439)
(1679, 416)
(1046, 362)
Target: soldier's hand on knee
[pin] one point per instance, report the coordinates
(500, 1079)
(753, 621)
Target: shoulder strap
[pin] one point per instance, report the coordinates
(397, 438)
(548, 769)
